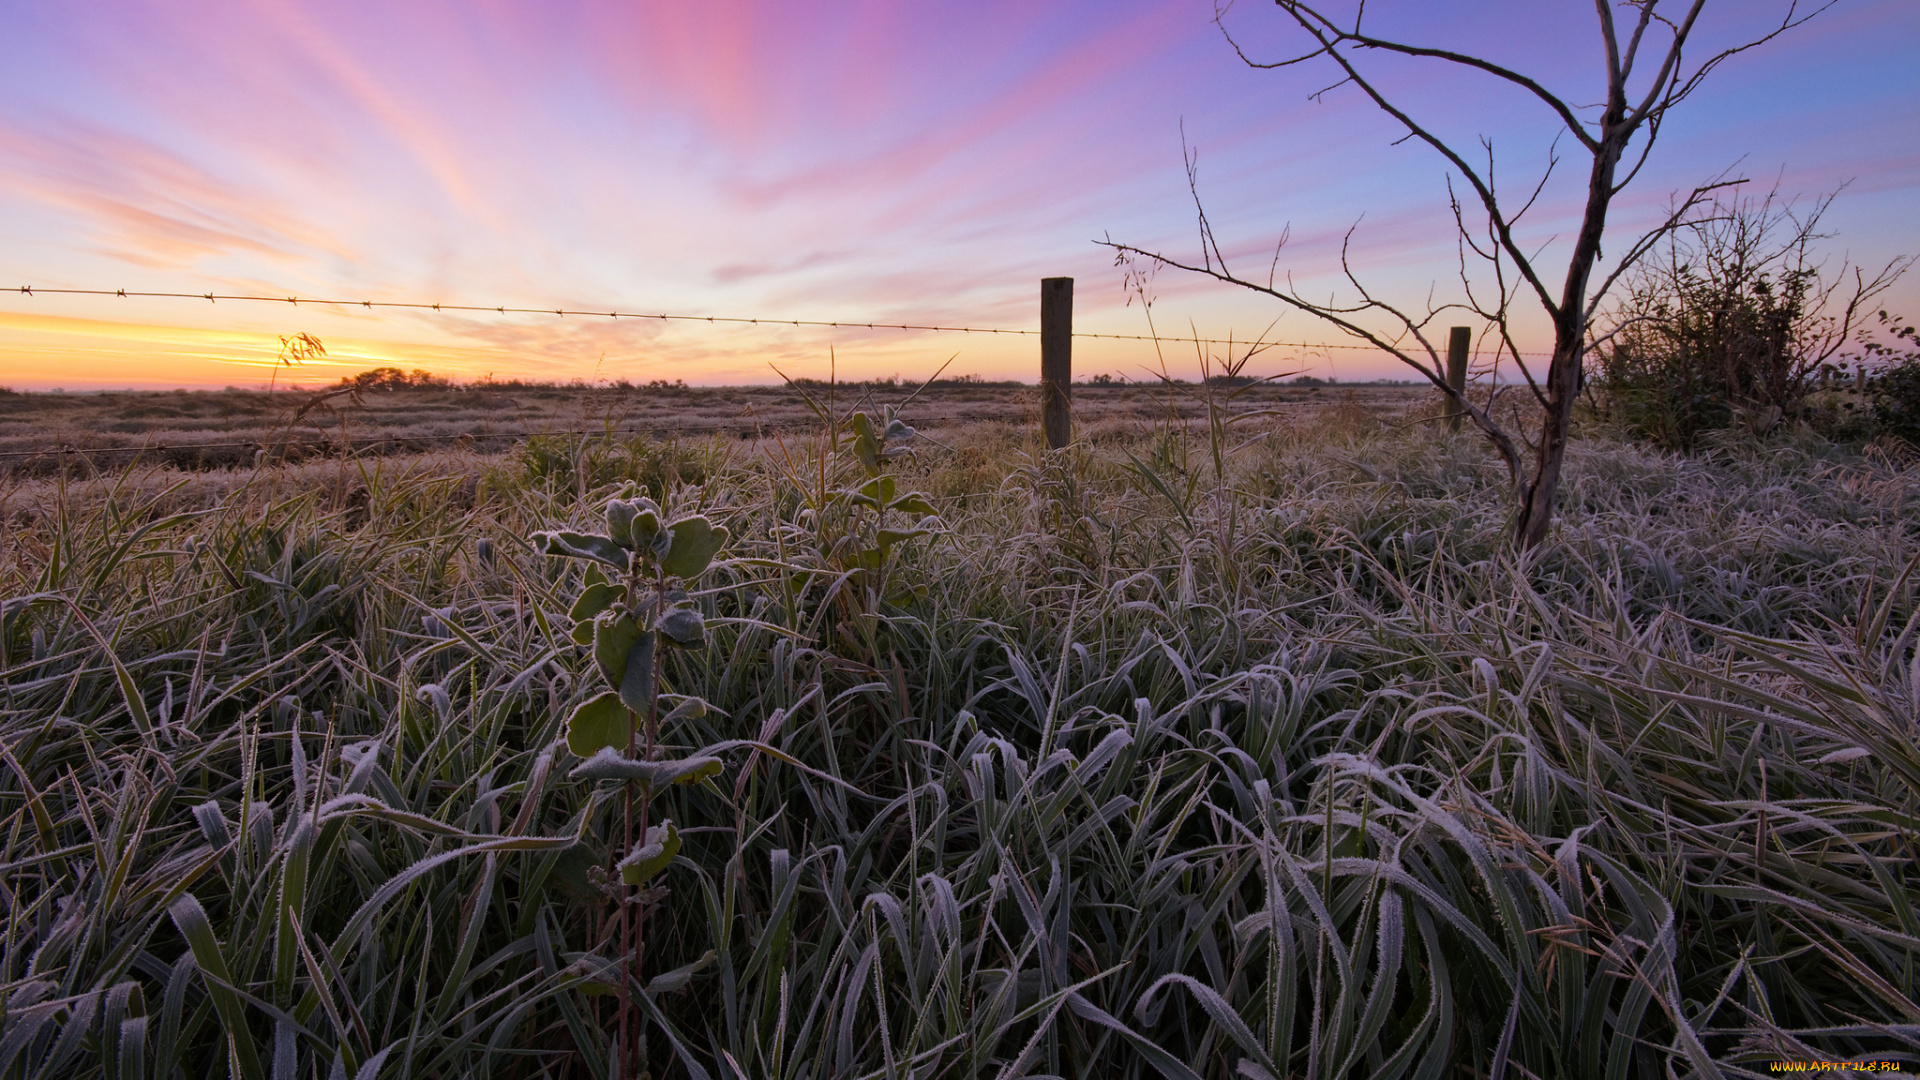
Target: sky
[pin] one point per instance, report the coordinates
(859, 161)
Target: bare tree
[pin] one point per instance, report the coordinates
(1647, 74)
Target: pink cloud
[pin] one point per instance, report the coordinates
(148, 204)
(406, 122)
(1066, 76)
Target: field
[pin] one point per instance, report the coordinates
(1200, 749)
(223, 429)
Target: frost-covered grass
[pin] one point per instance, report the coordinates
(1289, 767)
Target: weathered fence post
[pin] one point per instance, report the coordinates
(1457, 343)
(1056, 360)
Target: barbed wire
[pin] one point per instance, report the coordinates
(851, 324)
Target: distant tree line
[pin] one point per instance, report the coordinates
(392, 378)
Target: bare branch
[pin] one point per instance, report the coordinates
(1615, 75)
(1209, 247)
(1435, 374)
(1482, 188)
(1633, 44)
(1628, 107)
(1594, 344)
(1309, 18)
(1865, 291)
(1675, 220)
(1553, 159)
(1659, 89)
(1787, 22)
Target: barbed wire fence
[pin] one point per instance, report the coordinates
(563, 312)
(850, 324)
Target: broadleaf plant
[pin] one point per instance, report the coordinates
(867, 547)
(624, 620)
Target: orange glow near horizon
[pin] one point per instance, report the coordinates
(47, 352)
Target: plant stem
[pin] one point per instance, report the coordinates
(634, 914)
(628, 931)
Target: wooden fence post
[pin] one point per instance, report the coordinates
(1457, 344)
(1056, 360)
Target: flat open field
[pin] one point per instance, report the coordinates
(210, 429)
(1187, 752)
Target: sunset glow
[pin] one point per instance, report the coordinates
(865, 161)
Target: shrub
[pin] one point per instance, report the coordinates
(1893, 394)
(1730, 324)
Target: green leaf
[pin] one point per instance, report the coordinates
(867, 444)
(614, 634)
(903, 595)
(636, 524)
(593, 576)
(599, 724)
(192, 921)
(690, 708)
(609, 973)
(581, 546)
(636, 682)
(655, 853)
(695, 542)
(886, 538)
(620, 522)
(597, 598)
(913, 503)
(649, 535)
(684, 627)
(867, 449)
(609, 764)
(672, 982)
(877, 492)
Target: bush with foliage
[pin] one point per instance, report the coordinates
(1730, 325)
(1893, 393)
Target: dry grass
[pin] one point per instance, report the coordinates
(203, 429)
